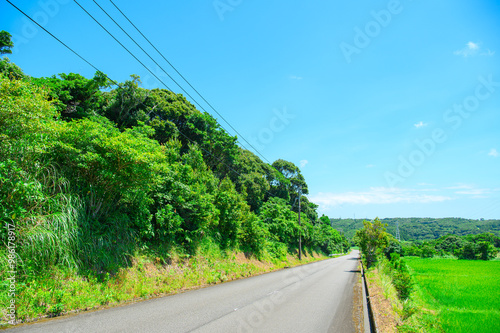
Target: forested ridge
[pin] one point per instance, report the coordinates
(92, 172)
(415, 228)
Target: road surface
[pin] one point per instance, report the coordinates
(316, 297)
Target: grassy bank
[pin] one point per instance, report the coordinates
(393, 314)
(463, 294)
(64, 291)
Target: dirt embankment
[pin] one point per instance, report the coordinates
(385, 316)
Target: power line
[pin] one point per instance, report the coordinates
(128, 35)
(144, 52)
(161, 54)
(137, 44)
(122, 45)
(69, 48)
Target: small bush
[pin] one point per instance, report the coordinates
(427, 251)
(401, 278)
(394, 247)
(403, 283)
(278, 250)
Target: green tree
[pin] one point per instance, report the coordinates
(74, 95)
(450, 243)
(486, 250)
(308, 209)
(250, 178)
(427, 250)
(253, 236)
(393, 247)
(26, 126)
(372, 240)
(281, 221)
(126, 107)
(325, 220)
(5, 42)
(232, 211)
(329, 240)
(109, 168)
(469, 251)
(188, 186)
(294, 183)
(173, 117)
(10, 70)
(27, 119)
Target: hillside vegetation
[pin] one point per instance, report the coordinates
(94, 175)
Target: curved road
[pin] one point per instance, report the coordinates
(316, 297)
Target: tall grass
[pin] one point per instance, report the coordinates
(48, 240)
(53, 226)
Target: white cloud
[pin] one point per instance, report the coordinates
(473, 49)
(294, 77)
(370, 165)
(473, 46)
(470, 190)
(425, 184)
(493, 152)
(303, 163)
(475, 192)
(420, 124)
(376, 195)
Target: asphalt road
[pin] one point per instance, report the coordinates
(311, 298)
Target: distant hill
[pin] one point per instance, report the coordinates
(423, 228)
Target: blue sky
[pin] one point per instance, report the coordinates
(391, 108)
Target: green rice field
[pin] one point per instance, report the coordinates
(465, 295)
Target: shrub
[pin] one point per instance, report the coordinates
(401, 278)
(403, 283)
(427, 251)
(393, 247)
(277, 250)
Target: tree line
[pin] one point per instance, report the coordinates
(375, 242)
(91, 171)
(415, 228)
(483, 246)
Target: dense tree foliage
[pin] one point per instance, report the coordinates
(483, 246)
(6, 43)
(90, 173)
(73, 95)
(10, 70)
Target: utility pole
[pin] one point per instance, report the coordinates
(300, 227)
